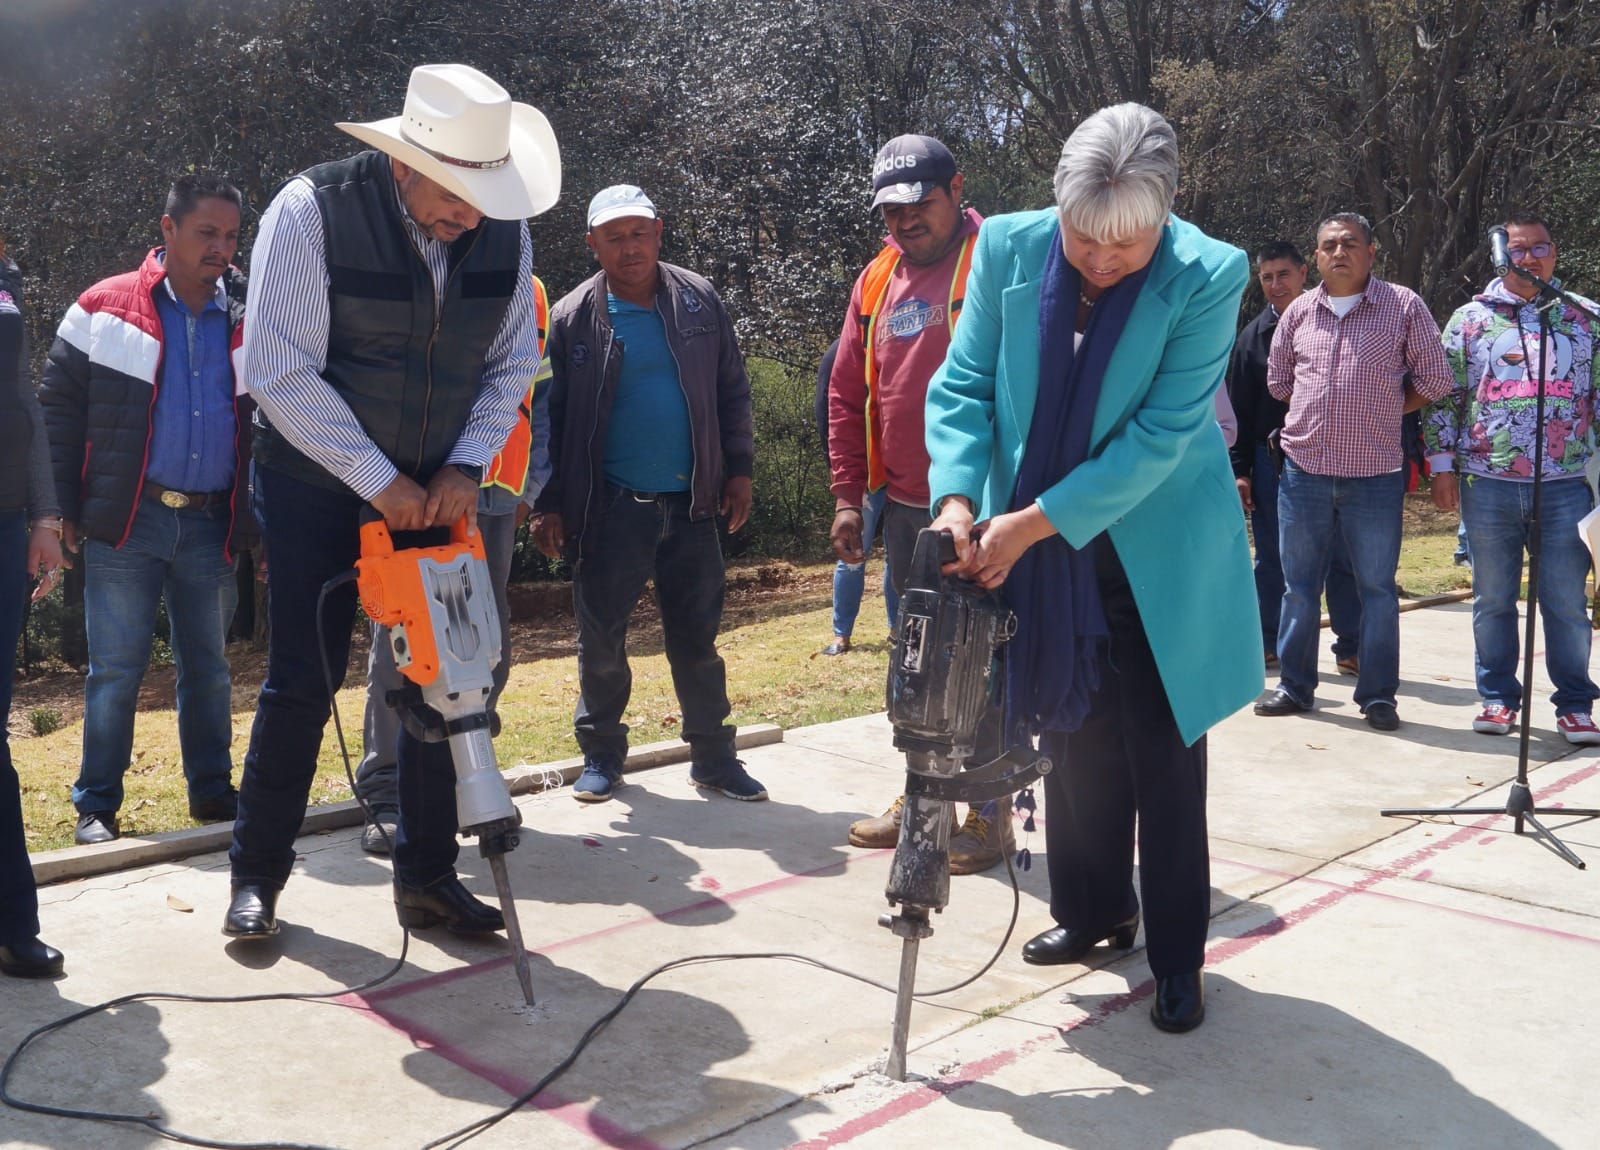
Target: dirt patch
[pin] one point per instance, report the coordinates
(1421, 517)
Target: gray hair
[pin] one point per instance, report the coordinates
(1118, 173)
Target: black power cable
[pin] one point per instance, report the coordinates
(473, 1129)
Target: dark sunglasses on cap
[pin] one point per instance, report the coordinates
(1537, 251)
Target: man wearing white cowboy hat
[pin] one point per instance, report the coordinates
(390, 338)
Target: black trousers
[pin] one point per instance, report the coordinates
(19, 899)
(311, 535)
(1128, 767)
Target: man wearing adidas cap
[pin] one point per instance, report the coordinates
(903, 308)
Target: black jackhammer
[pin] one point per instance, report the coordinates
(941, 685)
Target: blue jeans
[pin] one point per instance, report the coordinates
(632, 540)
(1344, 605)
(850, 579)
(311, 536)
(19, 898)
(1314, 512)
(1496, 513)
(176, 556)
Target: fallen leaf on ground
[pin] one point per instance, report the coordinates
(178, 904)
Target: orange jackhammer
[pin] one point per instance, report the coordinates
(438, 605)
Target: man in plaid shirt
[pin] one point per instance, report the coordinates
(1486, 429)
(1350, 359)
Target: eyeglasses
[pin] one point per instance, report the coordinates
(1537, 251)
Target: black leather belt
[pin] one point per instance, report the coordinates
(653, 496)
(192, 500)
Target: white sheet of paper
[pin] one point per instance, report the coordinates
(1589, 532)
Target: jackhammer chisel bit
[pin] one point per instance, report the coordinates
(941, 684)
(439, 608)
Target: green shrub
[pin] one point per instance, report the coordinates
(43, 721)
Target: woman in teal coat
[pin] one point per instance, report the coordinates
(1077, 460)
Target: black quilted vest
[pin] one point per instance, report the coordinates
(410, 378)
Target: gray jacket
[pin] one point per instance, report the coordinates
(586, 362)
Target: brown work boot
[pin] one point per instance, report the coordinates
(883, 832)
(982, 842)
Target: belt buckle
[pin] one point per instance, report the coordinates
(174, 499)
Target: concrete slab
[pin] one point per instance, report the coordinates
(1371, 981)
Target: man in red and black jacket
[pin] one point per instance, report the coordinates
(149, 443)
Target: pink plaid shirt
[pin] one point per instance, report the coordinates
(1345, 379)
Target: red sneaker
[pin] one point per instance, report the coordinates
(1579, 728)
(1495, 719)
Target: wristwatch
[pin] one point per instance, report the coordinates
(471, 470)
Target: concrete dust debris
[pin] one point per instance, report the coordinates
(540, 1011)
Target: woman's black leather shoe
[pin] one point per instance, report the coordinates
(445, 901)
(30, 958)
(1059, 944)
(252, 912)
(1180, 1003)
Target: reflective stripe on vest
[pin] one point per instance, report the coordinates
(874, 287)
(509, 469)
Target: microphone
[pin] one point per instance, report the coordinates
(1498, 255)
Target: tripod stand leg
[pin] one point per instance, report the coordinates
(1414, 812)
(1550, 840)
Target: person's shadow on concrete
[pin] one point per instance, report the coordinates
(1545, 745)
(625, 864)
(1322, 1078)
(797, 839)
(506, 1048)
(104, 1063)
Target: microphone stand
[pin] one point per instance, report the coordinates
(1519, 800)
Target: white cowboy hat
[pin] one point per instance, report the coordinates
(464, 132)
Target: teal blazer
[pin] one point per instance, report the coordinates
(1157, 477)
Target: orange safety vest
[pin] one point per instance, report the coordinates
(509, 469)
(874, 286)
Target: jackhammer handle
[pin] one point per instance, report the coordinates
(933, 549)
(376, 543)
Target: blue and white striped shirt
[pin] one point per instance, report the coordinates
(286, 347)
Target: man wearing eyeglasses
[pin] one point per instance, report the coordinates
(1486, 430)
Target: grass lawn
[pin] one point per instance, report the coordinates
(777, 618)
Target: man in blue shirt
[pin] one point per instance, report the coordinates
(147, 443)
(650, 439)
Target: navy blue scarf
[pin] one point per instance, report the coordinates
(1052, 663)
